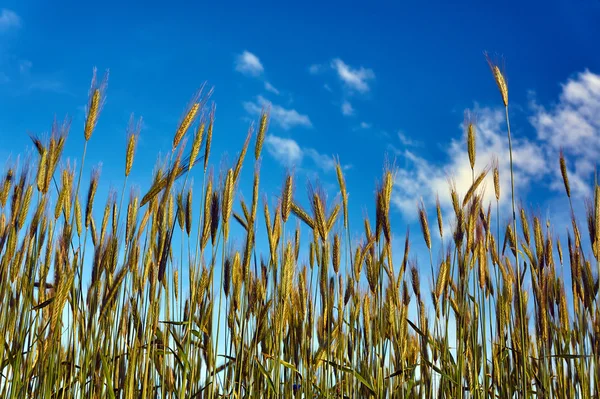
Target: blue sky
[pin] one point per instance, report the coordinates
(354, 80)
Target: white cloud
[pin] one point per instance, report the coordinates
(571, 124)
(347, 109)
(9, 20)
(25, 66)
(47, 84)
(285, 151)
(324, 162)
(289, 154)
(315, 69)
(248, 64)
(285, 118)
(271, 88)
(355, 79)
(574, 125)
(421, 179)
(407, 141)
(363, 126)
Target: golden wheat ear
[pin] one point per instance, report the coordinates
(37, 143)
(499, 78)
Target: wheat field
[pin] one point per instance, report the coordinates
(144, 295)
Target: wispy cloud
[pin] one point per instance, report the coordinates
(407, 141)
(347, 109)
(24, 66)
(573, 124)
(419, 178)
(19, 72)
(248, 64)
(24, 79)
(285, 118)
(9, 20)
(286, 151)
(362, 126)
(315, 69)
(33, 81)
(322, 161)
(354, 78)
(47, 84)
(269, 87)
(289, 154)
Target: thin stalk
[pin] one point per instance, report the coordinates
(518, 267)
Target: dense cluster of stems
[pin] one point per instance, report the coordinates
(168, 295)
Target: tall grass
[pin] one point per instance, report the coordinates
(165, 304)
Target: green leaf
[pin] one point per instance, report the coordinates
(180, 348)
(402, 371)
(567, 356)
(197, 334)
(417, 329)
(43, 304)
(355, 373)
(439, 371)
(175, 323)
(284, 363)
(265, 374)
(290, 366)
(107, 376)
